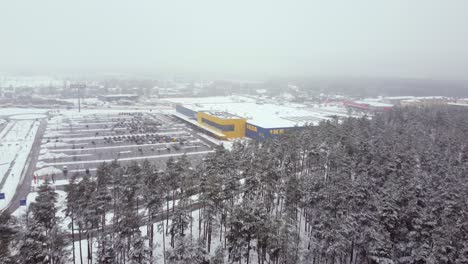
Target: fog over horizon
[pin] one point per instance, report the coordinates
(400, 38)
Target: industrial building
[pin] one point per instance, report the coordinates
(238, 117)
(118, 97)
(460, 104)
(368, 106)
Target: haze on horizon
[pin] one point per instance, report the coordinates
(376, 38)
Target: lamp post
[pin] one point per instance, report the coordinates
(78, 86)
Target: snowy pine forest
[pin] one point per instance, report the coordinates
(391, 189)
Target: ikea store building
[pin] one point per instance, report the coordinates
(230, 119)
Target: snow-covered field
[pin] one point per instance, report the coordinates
(17, 139)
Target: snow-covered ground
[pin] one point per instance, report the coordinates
(227, 144)
(21, 111)
(21, 211)
(27, 116)
(17, 140)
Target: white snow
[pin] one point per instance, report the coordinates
(27, 116)
(20, 111)
(47, 171)
(57, 144)
(21, 211)
(209, 100)
(374, 103)
(49, 155)
(40, 181)
(227, 144)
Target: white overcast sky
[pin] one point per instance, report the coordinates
(400, 38)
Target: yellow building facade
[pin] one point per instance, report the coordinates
(229, 126)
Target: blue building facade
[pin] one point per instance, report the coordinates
(261, 134)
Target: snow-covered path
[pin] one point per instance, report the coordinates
(16, 144)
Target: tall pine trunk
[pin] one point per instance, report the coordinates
(209, 236)
(151, 236)
(164, 243)
(81, 251)
(73, 237)
(167, 215)
(173, 200)
(248, 250)
(89, 247)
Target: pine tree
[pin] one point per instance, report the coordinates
(187, 251)
(43, 209)
(211, 195)
(153, 199)
(218, 258)
(139, 252)
(43, 241)
(106, 251)
(181, 219)
(87, 219)
(34, 247)
(7, 233)
(103, 196)
(71, 208)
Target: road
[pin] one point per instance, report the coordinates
(24, 187)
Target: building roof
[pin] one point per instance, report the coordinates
(411, 101)
(374, 103)
(222, 114)
(119, 95)
(399, 97)
(209, 100)
(266, 115)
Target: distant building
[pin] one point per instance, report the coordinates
(118, 97)
(165, 93)
(425, 101)
(7, 92)
(397, 100)
(370, 106)
(411, 102)
(433, 100)
(458, 105)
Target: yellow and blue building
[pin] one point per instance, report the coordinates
(227, 126)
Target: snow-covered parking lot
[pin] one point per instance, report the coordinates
(79, 142)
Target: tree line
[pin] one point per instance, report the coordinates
(387, 189)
